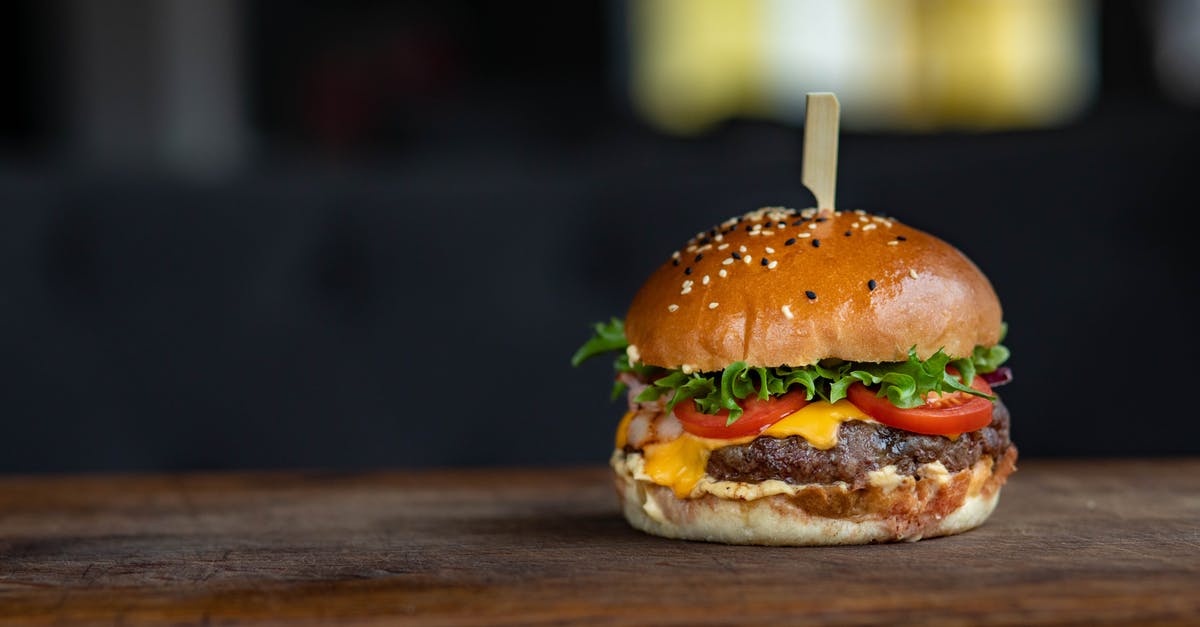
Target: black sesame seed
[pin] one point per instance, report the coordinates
(700, 256)
(901, 238)
(847, 233)
(712, 232)
(816, 243)
(735, 255)
(749, 227)
(687, 270)
(790, 242)
(871, 284)
(674, 262)
(810, 294)
(764, 261)
(822, 219)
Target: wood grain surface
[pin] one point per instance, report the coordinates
(1073, 542)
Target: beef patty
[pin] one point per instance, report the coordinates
(861, 448)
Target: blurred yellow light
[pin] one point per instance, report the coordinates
(696, 61)
(899, 64)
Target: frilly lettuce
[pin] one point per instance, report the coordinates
(904, 383)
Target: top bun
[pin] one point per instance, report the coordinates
(780, 287)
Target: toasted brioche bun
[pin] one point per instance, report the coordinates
(807, 303)
(913, 508)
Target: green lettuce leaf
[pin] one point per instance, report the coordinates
(904, 383)
(608, 337)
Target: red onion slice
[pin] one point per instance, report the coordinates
(998, 377)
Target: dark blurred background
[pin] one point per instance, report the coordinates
(370, 234)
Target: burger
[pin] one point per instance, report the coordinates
(810, 378)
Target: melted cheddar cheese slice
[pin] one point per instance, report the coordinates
(680, 463)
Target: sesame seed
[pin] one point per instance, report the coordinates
(749, 227)
(860, 212)
(869, 227)
(704, 280)
(726, 262)
(804, 235)
(820, 219)
(686, 290)
(770, 251)
(712, 305)
(847, 233)
(810, 294)
(675, 255)
(764, 261)
(722, 246)
(901, 238)
(864, 219)
(742, 248)
(698, 257)
(871, 285)
(771, 266)
(813, 225)
(893, 243)
(735, 255)
(768, 233)
(854, 226)
(816, 243)
(674, 262)
(787, 311)
(913, 273)
(672, 308)
(790, 242)
(746, 259)
(692, 248)
(723, 273)
(780, 225)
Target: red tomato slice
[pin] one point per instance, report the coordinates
(757, 416)
(948, 414)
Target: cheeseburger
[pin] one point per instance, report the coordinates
(810, 378)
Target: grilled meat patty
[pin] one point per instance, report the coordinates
(861, 448)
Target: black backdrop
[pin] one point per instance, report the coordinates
(414, 301)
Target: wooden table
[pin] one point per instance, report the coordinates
(1073, 542)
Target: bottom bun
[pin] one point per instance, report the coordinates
(933, 503)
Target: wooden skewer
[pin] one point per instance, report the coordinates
(821, 147)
